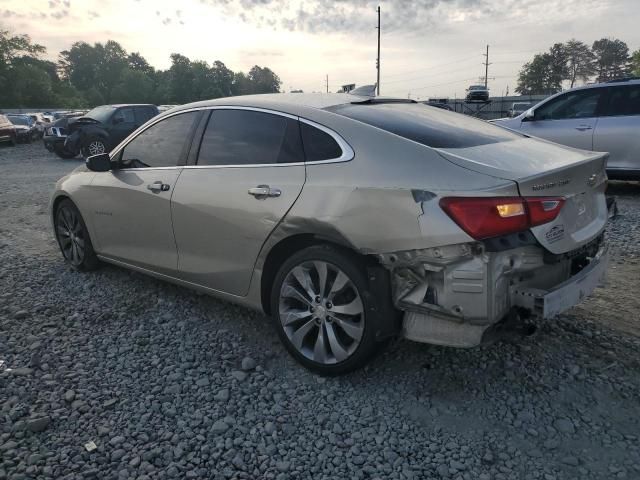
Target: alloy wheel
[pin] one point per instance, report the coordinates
(70, 233)
(321, 312)
(96, 147)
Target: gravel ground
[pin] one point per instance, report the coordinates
(166, 383)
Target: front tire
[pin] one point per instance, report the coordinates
(73, 237)
(94, 146)
(319, 302)
(62, 152)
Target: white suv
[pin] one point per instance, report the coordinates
(604, 117)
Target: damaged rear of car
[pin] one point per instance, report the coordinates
(508, 226)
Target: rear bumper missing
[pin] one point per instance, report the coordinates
(452, 296)
(549, 303)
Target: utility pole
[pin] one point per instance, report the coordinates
(486, 67)
(327, 80)
(378, 60)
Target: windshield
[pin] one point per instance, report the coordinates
(432, 127)
(101, 113)
(476, 87)
(20, 120)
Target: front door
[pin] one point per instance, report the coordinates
(618, 128)
(131, 208)
(569, 119)
(123, 122)
(250, 172)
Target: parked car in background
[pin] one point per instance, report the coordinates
(518, 107)
(96, 132)
(603, 117)
(440, 105)
(288, 203)
(40, 121)
(477, 93)
(8, 132)
(26, 128)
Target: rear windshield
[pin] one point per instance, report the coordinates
(429, 126)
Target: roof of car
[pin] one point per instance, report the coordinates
(118, 105)
(292, 103)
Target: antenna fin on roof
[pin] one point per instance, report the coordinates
(364, 91)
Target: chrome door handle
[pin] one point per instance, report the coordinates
(264, 191)
(582, 128)
(158, 187)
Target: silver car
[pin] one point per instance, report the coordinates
(603, 117)
(348, 219)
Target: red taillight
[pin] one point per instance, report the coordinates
(486, 217)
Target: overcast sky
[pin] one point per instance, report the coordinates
(430, 48)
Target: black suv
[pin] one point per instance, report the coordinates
(98, 131)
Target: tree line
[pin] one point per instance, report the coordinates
(574, 61)
(88, 75)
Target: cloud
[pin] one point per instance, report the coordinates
(359, 16)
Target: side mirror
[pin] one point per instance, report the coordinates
(99, 163)
(117, 120)
(529, 114)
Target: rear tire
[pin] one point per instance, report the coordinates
(73, 237)
(319, 302)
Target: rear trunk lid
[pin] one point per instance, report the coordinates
(544, 169)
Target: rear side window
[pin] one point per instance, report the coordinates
(576, 104)
(429, 126)
(318, 145)
(161, 145)
(144, 113)
(246, 137)
(623, 101)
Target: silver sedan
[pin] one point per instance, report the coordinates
(347, 219)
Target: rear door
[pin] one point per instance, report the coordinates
(131, 210)
(618, 130)
(569, 119)
(250, 170)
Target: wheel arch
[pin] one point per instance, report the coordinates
(282, 250)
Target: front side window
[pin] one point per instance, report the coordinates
(623, 101)
(161, 145)
(124, 115)
(577, 104)
(247, 137)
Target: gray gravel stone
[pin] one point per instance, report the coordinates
(172, 378)
(38, 424)
(248, 363)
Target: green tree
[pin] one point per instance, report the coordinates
(222, 78)
(181, 76)
(139, 63)
(580, 61)
(18, 55)
(635, 63)
(538, 77)
(134, 87)
(263, 80)
(612, 58)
